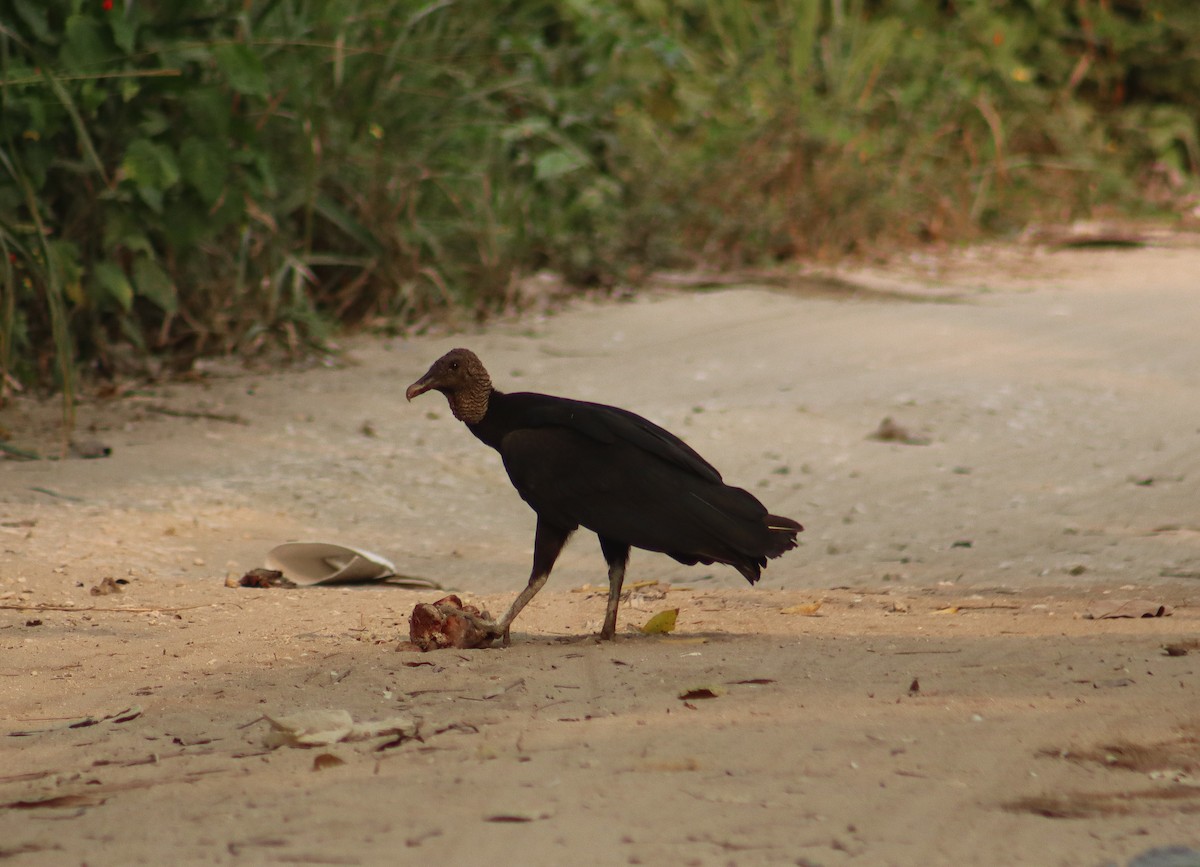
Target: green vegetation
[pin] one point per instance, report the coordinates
(218, 175)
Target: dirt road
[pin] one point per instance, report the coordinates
(929, 679)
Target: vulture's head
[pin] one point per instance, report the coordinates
(461, 376)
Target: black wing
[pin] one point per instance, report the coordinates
(605, 424)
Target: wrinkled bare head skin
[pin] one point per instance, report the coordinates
(462, 378)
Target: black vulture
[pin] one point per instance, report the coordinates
(624, 478)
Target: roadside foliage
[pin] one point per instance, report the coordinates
(213, 176)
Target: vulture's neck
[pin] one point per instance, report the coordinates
(471, 405)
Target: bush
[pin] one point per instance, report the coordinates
(219, 175)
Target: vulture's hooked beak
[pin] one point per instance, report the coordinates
(421, 386)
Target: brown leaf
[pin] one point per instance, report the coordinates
(517, 816)
(326, 760)
(56, 801)
(891, 432)
(700, 692)
(1132, 608)
(1181, 648)
(265, 579)
(124, 715)
(107, 586)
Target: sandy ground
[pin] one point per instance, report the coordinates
(919, 683)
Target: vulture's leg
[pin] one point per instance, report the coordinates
(617, 555)
(548, 542)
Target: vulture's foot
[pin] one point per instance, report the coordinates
(500, 631)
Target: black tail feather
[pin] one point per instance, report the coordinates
(782, 535)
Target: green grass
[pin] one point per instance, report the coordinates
(212, 176)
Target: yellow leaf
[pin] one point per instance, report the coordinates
(809, 609)
(949, 609)
(661, 623)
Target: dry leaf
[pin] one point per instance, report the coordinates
(661, 623)
(318, 728)
(263, 579)
(326, 760)
(701, 692)
(891, 432)
(106, 587)
(501, 690)
(309, 728)
(120, 716)
(518, 816)
(1133, 608)
(808, 609)
(402, 726)
(1181, 648)
(949, 609)
(88, 800)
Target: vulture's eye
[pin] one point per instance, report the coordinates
(454, 365)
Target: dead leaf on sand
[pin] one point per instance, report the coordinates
(314, 728)
(263, 579)
(120, 716)
(1132, 608)
(59, 801)
(1172, 760)
(107, 586)
(1181, 648)
(324, 761)
(517, 816)
(1083, 805)
(661, 623)
(696, 692)
(808, 609)
(891, 432)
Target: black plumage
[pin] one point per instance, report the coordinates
(632, 483)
